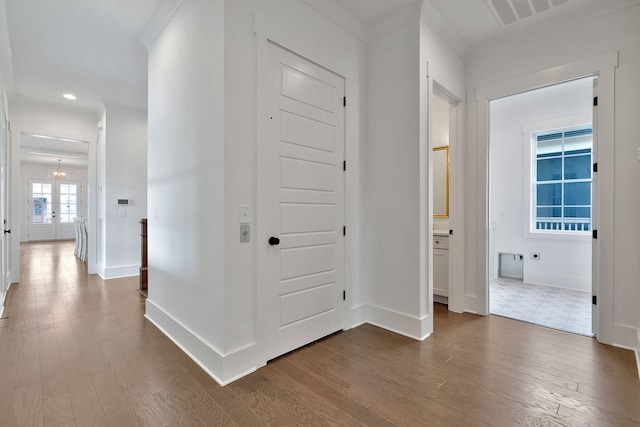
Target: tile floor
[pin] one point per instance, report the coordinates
(557, 308)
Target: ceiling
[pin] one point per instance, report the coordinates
(92, 48)
(372, 11)
(46, 151)
(86, 47)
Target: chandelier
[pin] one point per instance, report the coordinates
(58, 173)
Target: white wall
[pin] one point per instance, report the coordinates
(30, 171)
(618, 31)
(441, 62)
(297, 27)
(202, 165)
(186, 181)
(391, 184)
(100, 245)
(122, 174)
(563, 263)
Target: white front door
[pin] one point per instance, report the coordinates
(53, 205)
(300, 204)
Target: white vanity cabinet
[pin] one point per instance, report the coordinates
(441, 267)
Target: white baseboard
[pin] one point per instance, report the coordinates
(638, 354)
(358, 316)
(223, 368)
(120, 271)
(400, 323)
(3, 298)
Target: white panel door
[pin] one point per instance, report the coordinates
(5, 260)
(53, 205)
(300, 205)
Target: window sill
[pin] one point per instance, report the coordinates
(558, 235)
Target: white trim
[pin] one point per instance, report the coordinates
(603, 66)
(340, 17)
(357, 317)
(3, 299)
(637, 352)
(119, 271)
(223, 368)
(400, 323)
(159, 21)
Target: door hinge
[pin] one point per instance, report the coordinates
(595, 167)
(344, 165)
(344, 101)
(344, 295)
(344, 230)
(450, 232)
(595, 101)
(594, 299)
(595, 234)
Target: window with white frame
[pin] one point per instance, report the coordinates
(562, 181)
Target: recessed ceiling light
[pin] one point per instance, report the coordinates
(69, 96)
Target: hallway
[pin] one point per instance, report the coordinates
(76, 351)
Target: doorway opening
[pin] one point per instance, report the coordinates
(540, 205)
(52, 203)
(444, 148)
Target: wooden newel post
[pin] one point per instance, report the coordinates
(143, 263)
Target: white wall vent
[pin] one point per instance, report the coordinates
(509, 11)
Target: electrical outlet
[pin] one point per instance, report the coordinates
(535, 255)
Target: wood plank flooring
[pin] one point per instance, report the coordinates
(77, 351)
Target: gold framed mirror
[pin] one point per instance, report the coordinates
(441, 182)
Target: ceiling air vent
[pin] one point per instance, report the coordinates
(510, 11)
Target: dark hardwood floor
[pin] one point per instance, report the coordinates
(77, 351)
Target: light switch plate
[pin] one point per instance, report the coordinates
(244, 214)
(245, 233)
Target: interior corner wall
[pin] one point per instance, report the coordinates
(615, 32)
(564, 263)
(186, 182)
(391, 184)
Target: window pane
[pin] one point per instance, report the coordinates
(549, 212)
(578, 140)
(549, 169)
(578, 167)
(549, 195)
(577, 193)
(547, 144)
(581, 212)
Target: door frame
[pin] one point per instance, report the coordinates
(456, 255)
(476, 300)
(5, 238)
(16, 130)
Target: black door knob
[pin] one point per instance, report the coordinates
(274, 241)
